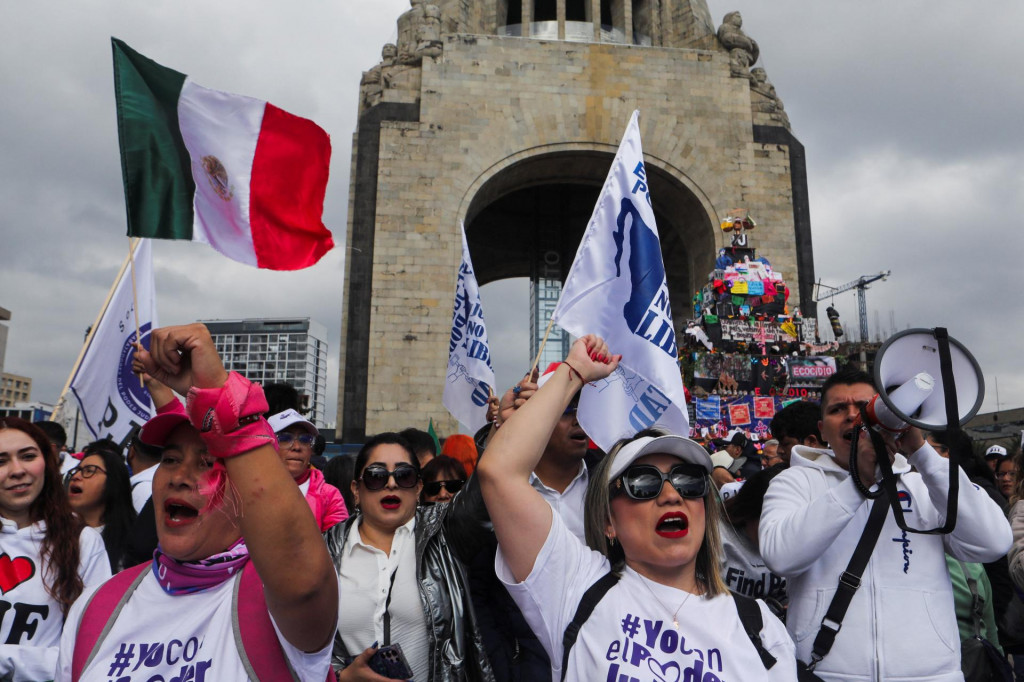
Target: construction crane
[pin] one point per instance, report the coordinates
(861, 285)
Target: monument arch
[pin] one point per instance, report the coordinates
(462, 120)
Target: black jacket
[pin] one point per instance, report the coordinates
(456, 648)
(515, 653)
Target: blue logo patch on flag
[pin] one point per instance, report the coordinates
(647, 311)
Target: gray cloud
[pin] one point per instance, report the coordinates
(908, 112)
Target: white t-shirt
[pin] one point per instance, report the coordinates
(630, 634)
(730, 489)
(743, 569)
(570, 503)
(142, 488)
(363, 591)
(185, 637)
(32, 620)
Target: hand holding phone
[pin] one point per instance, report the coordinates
(390, 662)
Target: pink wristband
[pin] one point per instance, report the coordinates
(230, 418)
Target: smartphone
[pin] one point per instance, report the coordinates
(390, 662)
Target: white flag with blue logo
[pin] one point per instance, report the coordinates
(617, 290)
(111, 397)
(470, 376)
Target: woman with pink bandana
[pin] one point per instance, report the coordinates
(227, 511)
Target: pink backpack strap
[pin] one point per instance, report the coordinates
(99, 615)
(255, 638)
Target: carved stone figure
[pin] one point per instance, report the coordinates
(765, 99)
(408, 30)
(428, 33)
(371, 86)
(743, 50)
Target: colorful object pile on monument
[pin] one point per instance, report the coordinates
(746, 354)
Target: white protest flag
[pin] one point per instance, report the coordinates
(111, 397)
(470, 375)
(617, 290)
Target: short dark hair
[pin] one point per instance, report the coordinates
(847, 376)
(746, 504)
(420, 441)
(54, 431)
(150, 454)
(386, 438)
(445, 465)
(797, 420)
(280, 397)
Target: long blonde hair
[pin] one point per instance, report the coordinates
(598, 514)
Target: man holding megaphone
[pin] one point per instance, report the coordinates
(890, 613)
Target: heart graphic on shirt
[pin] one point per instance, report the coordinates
(14, 572)
(661, 671)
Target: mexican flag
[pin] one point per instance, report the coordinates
(230, 171)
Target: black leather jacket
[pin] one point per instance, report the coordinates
(456, 648)
(515, 653)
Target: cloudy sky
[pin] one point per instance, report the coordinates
(909, 112)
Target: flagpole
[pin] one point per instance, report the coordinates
(135, 300)
(543, 342)
(88, 337)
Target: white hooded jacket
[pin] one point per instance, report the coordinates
(900, 624)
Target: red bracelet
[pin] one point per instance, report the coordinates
(574, 371)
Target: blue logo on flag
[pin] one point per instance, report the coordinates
(134, 395)
(647, 311)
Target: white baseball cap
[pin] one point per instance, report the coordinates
(995, 451)
(282, 420)
(677, 446)
(722, 459)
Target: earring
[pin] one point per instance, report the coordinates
(611, 542)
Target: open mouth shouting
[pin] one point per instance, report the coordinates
(391, 502)
(673, 524)
(74, 488)
(179, 513)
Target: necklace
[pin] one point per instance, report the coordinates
(675, 614)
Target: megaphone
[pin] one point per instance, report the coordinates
(927, 379)
(908, 376)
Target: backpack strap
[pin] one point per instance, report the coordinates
(591, 597)
(255, 638)
(99, 615)
(752, 621)
(849, 581)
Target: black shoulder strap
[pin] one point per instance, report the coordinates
(591, 597)
(849, 581)
(750, 616)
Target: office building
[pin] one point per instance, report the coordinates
(278, 350)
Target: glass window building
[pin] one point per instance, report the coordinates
(278, 350)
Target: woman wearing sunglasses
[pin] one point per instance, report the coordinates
(651, 525)
(400, 582)
(442, 478)
(46, 556)
(296, 436)
(101, 495)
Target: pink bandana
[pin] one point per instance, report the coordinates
(185, 577)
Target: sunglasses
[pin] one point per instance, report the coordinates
(376, 477)
(434, 488)
(645, 481)
(304, 438)
(87, 471)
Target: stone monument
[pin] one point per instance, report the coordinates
(505, 115)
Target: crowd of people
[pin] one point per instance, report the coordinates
(222, 546)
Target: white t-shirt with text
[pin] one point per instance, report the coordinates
(30, 619)
(158, 636)
(630, 635)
